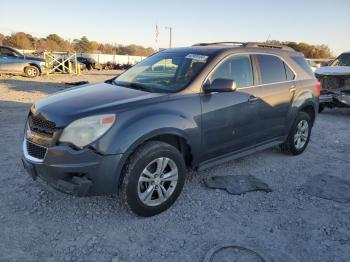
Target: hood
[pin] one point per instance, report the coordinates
(66, 106)
(333, 70)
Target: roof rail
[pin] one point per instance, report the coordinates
(247, 44)
(221, 43)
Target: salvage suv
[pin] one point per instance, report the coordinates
(184, 107)
(335, 83)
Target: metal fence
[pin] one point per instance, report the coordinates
(101, 58)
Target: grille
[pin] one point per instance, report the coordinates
(336, 83)
(36, 150)
(41, 126)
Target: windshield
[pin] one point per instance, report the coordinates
(342, 60)
(163, 72)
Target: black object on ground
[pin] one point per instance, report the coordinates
(76, 83)
(238, 251)
(237, 184)
(229, 253)
(328, 187)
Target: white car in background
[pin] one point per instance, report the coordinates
(313, 64)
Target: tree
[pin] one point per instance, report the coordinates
(20, 40)
(309, 51)
(82, 45)
(57, 43)
(2, 37)
(94, 46)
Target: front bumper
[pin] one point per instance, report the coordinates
(336, 98)
(78, 172)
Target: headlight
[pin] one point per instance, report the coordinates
(86, 130)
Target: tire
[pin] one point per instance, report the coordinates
(31, 71)
(141, 177)
(293, 147)
(320, 108)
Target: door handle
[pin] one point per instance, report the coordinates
(252, 99)
(292, 88)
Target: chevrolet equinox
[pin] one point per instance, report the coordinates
(191, 107)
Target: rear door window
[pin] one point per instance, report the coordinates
(238, 68)
(272, 69)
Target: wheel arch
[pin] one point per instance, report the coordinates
(310, 109)
(173, 137)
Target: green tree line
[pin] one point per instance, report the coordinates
(309, 51)
(54, 42)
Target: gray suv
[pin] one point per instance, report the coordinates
(12, 61)
(184, 107)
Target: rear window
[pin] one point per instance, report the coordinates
(303, 64)
(272, 69)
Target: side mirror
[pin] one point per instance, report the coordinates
(220, 85)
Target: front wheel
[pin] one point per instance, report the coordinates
(31, 71)
(153, 179)
(299, 135)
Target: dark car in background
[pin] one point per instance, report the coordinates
(12, 61)
(89, 63)
(183, 107)
(335, 82)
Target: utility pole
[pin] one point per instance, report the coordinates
(170, 34)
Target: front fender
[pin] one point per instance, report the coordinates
(136, 126)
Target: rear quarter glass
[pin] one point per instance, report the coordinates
(303, 64)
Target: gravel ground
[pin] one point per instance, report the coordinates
(38, 223)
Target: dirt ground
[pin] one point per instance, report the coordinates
(38, 223)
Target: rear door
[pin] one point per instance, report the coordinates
(230, 119)
(276, 91)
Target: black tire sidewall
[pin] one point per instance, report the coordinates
(321, 108)
(301, 116)
(135, 171)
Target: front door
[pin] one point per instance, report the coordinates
(230, 119)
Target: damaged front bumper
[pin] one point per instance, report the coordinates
(79, 172)
(335, 98)
(335, 90)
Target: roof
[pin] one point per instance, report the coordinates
(207, 50)
(218, 47)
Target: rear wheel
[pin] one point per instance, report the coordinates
(31, 71)
(320, 108)
(299, 135)
(154, 178)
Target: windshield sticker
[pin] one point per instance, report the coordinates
(197, 57)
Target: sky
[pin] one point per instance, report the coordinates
(134, 21)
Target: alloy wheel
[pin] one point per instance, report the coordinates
(32, 72)
(301, 135)
(157, 181)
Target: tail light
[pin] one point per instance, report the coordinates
(318, 88)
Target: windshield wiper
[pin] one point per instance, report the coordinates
(135, 85)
